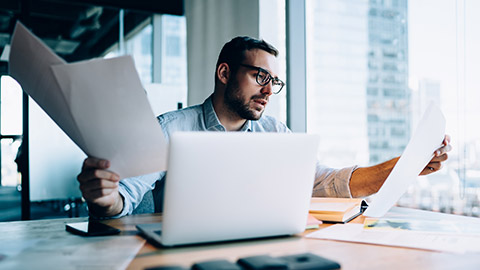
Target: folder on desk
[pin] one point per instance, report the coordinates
(337, 209)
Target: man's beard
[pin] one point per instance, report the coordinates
(236, 105)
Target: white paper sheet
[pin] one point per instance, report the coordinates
(427, 138)
(110, 91)
(100, 104)
(430, 241)
(29, 63)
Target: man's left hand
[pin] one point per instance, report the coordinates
(439, 156)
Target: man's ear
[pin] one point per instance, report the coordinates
(223, 72)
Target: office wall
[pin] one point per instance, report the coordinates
(210, 24)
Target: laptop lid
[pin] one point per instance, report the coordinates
(227, 186)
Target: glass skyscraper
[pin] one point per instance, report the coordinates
(358, 99)
(388, 94)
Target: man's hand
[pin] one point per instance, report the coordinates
(439, 156)
(100, 187)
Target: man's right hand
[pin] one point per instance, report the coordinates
(100, 187)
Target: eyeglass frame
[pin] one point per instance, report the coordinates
(270, 77)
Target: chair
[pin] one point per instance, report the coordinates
(152, 201)
(147, 205)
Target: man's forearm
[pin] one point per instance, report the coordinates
(113, 210)
(368, 180)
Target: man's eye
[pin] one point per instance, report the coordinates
(262, 76)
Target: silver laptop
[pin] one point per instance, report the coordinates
(236, 185)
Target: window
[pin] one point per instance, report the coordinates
(338, 61)
(140, 47)
(159, 50)
(11, 127)
(174, 54)
(443, 62)
(272, 30)
(373, 67)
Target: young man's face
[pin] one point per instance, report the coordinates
(243, 95)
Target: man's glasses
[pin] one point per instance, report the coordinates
(264, 77)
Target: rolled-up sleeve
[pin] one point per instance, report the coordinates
(332, 182)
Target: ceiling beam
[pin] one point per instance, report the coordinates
(174, 7)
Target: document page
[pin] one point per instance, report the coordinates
(427, 138)
(29, 63)
(421, 225)
(411, 239)
(100, 104)
(112, 111)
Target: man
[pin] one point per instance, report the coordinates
(245, 78)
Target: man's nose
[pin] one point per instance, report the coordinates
(267, 89)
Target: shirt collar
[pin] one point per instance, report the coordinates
(211, 120)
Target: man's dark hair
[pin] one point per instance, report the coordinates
(233, 52)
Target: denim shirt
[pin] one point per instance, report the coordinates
(328, 182)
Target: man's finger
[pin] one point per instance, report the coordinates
(442, 150)
(430, 168)
(97, 194)
(447, 139)
(442, 157)
(434, 166)
(88, 175)
(97, 184)
(92, 162)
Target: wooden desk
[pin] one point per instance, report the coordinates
(349, 255)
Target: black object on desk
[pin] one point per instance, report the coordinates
(166, 268)
(305, 261)
(261, 262)
(215, 265)
(309, 261)
(91, 228)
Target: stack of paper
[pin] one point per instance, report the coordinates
(100, 104)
